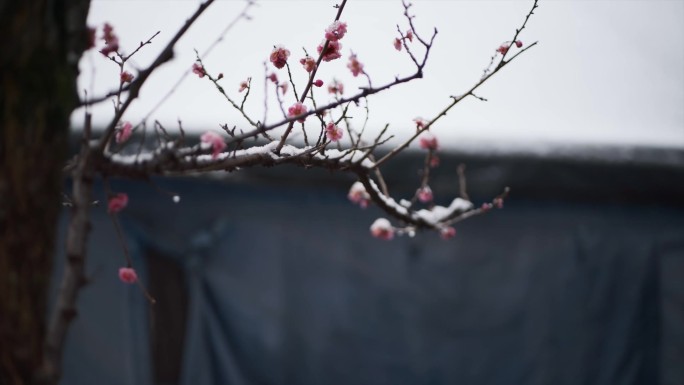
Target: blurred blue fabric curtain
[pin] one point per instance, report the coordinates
(286, 286)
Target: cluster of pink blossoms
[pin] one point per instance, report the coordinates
(336, 30)
(124, 132)
(296, 110)
(332, 51)
(333, 34)
(308, 62)
(117, 203)
(279, 56)
(332, 132)
(111, 40)
(215, 141)
(382, 228)
(198, 70)
(359, 195)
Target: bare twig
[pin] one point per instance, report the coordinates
(242, 15)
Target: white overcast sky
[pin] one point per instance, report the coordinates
(604, 72)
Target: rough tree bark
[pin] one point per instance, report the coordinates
(42, 41)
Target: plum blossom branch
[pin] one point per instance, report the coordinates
(355, 98)
(321, 55)
(165, 55)
(226, 151)
(455, 100)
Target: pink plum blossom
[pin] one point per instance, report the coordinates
(111, 40)
(354, 65)
(109, 48)
(518, 43)
(382, 229)
(128, 275)
(117, 203)
(397, 44)
(447, 233)
(357, 194)
(409, 35)
(215, 141)
(503, 48)
(198, 69)
(123, 133)
(108, 33)
(296, 110)
(279, 56)
(486, 207)
(318, 83)
(308, 63)
(332, 52)
(336, 30)
(243, 85)
(336, 87)
(273, 77)
(425, 194)
(332, 132)
(428, 142)
(126, 77)
(420, 123)
(498, 203)
(283, 88)
(434, 161)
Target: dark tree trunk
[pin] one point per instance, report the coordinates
(41, 43)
